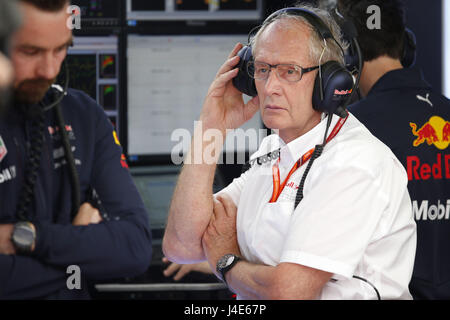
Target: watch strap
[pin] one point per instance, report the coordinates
(228, 268)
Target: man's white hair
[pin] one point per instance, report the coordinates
(316, 42)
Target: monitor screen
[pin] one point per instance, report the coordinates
(94, 68)
(156, 185)
(99, 13)
(193, 10)
(168, 78)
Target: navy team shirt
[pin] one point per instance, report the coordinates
(404, 112)
(119, 246)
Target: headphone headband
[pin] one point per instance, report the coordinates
(320, 26)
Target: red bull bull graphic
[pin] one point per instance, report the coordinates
(434, 132)
(3, 150)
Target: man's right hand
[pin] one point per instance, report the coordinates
(224, 106)
(87, 215)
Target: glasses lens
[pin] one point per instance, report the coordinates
(289, 72)
(258, 70)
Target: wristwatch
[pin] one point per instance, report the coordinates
(24, 237)
(225, 264)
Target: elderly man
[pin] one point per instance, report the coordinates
(352, 236)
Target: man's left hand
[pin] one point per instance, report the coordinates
(6, 246)
(220, 237)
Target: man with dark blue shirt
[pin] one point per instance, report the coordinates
(53, 242)
(402, 110)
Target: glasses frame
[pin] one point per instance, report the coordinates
(275, 66)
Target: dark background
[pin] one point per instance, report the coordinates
(424, 18)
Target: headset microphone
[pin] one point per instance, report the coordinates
(38, 121)
(60, 92)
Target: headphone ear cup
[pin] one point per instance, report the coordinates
(409, 49)
(337, 85)
(243, 82)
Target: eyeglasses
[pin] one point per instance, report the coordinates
(288, 72)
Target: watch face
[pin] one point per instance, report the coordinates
(23, 237)
(225, 261)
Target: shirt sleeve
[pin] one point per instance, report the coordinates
(119, 247)
(17, 282)
(339, 216)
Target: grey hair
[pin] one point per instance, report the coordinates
(316, 42)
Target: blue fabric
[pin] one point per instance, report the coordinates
(404, 112)
(119, 246)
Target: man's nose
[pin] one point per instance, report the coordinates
(273, 83)
(48, 67)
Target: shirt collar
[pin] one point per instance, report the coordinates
(291, 152)
(400, 78)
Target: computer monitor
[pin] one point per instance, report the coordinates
(168, 79)
(137, 10)
(156, 185)
(93, 64)
(99, 13)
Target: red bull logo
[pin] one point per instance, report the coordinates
(434, 132)
(342, 92)
(123, 161)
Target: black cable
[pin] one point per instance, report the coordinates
(33, 163)
(317, 152)
(70, 161)
(37, 127)
(369, 283)
(299, 196)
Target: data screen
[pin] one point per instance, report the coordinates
(168, 79)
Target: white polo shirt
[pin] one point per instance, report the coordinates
(355, 218)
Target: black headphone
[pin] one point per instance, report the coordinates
(333, 84)
(409, 49)
(353, 59)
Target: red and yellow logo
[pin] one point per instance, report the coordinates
(436, 131)
(116, 139)
(123, 159)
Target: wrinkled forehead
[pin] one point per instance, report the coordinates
(286, 40)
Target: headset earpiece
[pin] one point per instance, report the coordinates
(243, 82)
(337, 84)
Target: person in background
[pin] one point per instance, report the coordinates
(10, 20)
(53, 241)
(402, 110)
